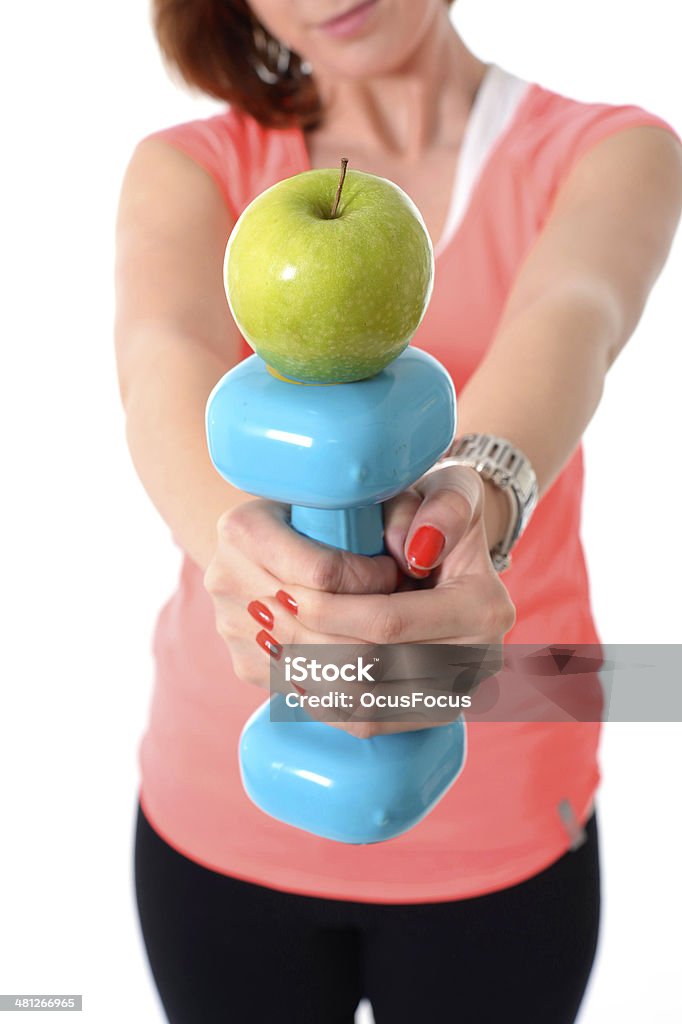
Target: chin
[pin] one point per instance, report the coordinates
(374, 57)
(380, 52)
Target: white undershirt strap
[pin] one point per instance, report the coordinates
(497, 100)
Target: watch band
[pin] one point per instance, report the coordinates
(497, 460)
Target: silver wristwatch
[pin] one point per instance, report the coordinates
(507, 467)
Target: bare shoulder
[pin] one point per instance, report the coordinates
(171, 232)
(642, 162)
(611, 226)
(163, 185)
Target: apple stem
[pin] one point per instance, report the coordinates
(344, 164)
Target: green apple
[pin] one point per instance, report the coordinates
(328, 276)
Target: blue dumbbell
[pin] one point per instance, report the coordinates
(335, 453)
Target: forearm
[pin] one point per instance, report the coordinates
(165, 400)
(578, 298)
(540, 384)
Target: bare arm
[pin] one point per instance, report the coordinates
(175, 336)
(575, 303)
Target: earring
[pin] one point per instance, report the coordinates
(274, 60)
(274, 57)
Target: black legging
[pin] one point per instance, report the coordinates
(222, 950)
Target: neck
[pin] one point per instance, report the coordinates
(422, 104)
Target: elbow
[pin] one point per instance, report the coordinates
(126, 355)
(137, 347)
(598, 309)
(616, 321)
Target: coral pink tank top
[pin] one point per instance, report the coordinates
(506, 818)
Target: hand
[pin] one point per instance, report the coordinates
(462, 515)
(259, 556)
(452, 594)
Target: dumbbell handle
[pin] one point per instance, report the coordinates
(360, 530)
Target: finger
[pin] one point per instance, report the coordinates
(275, 627)
(248, 662)
(262, 529)
(452, 503)
(257, 636)
(284, 641)
(231, 572)
(468, 605)
(399, 512)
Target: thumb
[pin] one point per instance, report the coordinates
(452, 502)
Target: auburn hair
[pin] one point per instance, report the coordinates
(217, 47)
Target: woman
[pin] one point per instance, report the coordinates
(551, 220)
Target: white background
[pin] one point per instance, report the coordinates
(86, 562)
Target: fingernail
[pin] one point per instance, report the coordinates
(299, 688)
(425, 547)
(269, 645)
(261, 613)
(288, 601)
(421, 573)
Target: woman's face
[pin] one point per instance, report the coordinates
(376, 36)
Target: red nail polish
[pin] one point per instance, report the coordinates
(425, 547)
(269, 645)
(288, 601)
(261, 613)
(299, 688)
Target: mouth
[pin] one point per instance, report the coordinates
(350, 21)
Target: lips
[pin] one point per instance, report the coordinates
(339, 19)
